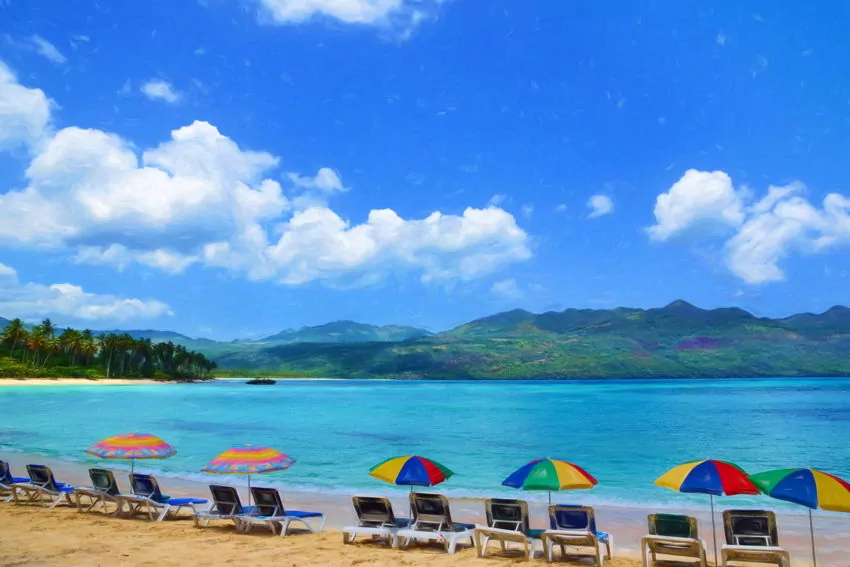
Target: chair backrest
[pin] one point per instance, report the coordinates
(507, 514)
(147, 486)
(572, 517)
(5, 473)
(104, 481)
(42, 476)
(750, 527)
(673, 525)
(226, 500)
(373, 510)
(267, 501)
(431, 510)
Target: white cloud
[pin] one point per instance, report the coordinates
(200, 198)
(507, 289)
(497, 200)
(764, 232)
(33, 300)
(157, 89)
(47, 50)
(24, 112)
(600, 205)
(527, 211)
(699, 198)
(560, 208)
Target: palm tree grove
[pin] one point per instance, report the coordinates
(39, 352)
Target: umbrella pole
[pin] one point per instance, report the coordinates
(249, 490)
(812, 532)
(713, 529)
(550, 498)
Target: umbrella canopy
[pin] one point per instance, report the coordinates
(132, 446)
(550, 474)
(249, 459)
(806, 487)
(411, 471)
(708, 477)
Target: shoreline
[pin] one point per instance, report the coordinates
(627, 524)
(123, 381)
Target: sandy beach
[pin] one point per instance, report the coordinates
(76, 382)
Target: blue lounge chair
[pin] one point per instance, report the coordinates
(104, 489)
(575, 526)
(7, 480)
(269, 511)
(432, 520)
(226, 505)
(147, 497)
(507, 522)
(42, 484)
(376, 519)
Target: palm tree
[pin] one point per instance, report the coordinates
(12, 334)
(51, 346)
(70, 341)
(36, 342)
(48, 327)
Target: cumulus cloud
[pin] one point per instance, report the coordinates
(199, 198)
(47, 50)
(600, 205)
(33, 300)
(760, 233)
(507, 288)
(24, 112)
(157, 89)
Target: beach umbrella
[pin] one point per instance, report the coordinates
(549, 475)
(248, 460)
(807, 487)
(715, 478)
(132, 447)
(411, 471)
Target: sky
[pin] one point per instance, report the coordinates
(230, 168)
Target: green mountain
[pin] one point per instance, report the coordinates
(347, 332)
(678, 340)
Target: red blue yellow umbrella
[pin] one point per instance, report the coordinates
(711, 477)
(411, 470)
(132, 446)
(249, 459)
(807, 487)
(550, 474)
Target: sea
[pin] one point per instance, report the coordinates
(626, 433)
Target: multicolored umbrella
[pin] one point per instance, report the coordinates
(711, 477)
(132, 446)
(807, 487)
(411, 470)
(550, 474)
(249, 459)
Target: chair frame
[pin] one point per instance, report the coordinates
(33, 491)
(516, 532)
(376, 526)
(136, 503)
(280, 517)
(434, 527)
(655, 544)
(733, 550)
(220, 509)
(577, 538)
(98, 497)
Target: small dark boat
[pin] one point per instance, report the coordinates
(261, 381)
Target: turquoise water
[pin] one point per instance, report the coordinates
(626, 433)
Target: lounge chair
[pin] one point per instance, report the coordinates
(507, 522)
(432, 520)
(751, 536)
(226, 505)
(42, 484)
(147, 497)
(103, 489)
(575, 526)
(672, 534)
(375, 518)
(7, 480)
(269, 511)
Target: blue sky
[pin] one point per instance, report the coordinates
(229, 168)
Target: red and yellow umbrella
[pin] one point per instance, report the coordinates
(411, 470)
(549, 475)
(132, 446)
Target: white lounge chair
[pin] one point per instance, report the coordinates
(42, 485)
(575, 526)
(269, 511)
(226, 505)
(104, 489)
(375, 519)
(507, 522)
(7, 480)
(432, 521)
(148, 498)
(752, 536)
(672, 535)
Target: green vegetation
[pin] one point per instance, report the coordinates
(678, 340)
(39, 352)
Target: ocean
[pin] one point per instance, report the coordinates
(624, 432)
